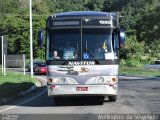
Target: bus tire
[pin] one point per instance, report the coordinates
(112, 98)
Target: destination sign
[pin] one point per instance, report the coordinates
(85, 22)
(66, 23)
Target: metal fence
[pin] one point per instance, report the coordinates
(12, 62)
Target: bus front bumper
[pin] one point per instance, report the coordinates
(82, 90)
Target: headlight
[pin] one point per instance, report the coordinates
(62, 80)
(104, 80)
(107, 79)
(57, 80)
(100, 80)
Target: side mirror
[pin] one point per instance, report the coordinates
(121, 37)
(40, 38)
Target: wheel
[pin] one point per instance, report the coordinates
(112, 98)
(100, 100)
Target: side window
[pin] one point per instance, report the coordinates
(48, 47)
(115, 43)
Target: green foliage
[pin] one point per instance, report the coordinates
(95, 5)
(141, 21)
(16, 27)
(8, 7)
(114, 5)
(133, 53)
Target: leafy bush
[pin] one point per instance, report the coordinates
(133, 52)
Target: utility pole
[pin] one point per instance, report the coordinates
(31, 42)
(2, 53)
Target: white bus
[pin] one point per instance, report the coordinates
(82, 52)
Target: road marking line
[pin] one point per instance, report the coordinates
(24, 101)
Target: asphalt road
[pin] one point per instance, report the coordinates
(137, 95)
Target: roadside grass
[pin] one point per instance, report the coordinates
(13, 83)
(139, 71)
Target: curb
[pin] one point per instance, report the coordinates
(21, 94)
(42, 81)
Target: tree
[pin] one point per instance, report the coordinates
(16, 25)
(141, 20)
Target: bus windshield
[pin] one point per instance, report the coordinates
(96, 43)
(77, 44)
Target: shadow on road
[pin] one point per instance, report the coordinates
(78, 101)
(39, 98)
(8, 90)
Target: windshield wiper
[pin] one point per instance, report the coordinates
(64, 63)
(95, 60)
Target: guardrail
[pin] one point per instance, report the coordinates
(13, 62)
(154, 66)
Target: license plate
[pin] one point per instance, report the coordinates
(81, 88)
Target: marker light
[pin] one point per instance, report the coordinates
(113, 79)
(49, 80)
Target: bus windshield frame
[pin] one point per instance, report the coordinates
(79, 44)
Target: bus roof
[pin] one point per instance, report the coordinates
(85, 14)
